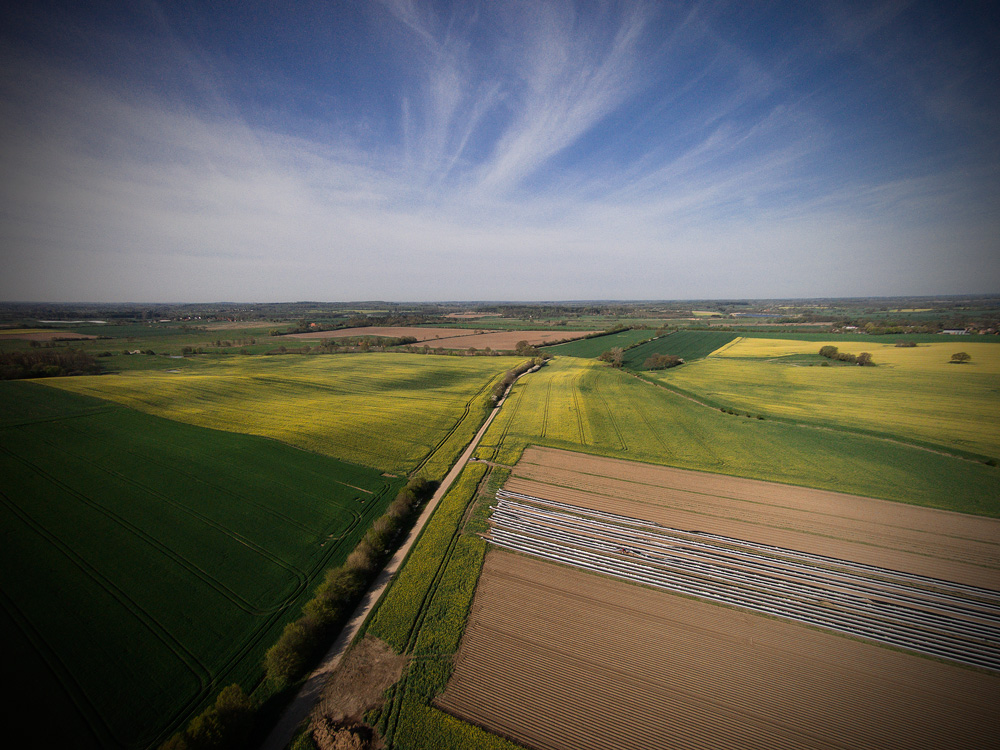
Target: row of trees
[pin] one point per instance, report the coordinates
(303, 640)
(511, 375)
(831, 352)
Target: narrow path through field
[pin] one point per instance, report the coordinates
(302, 704)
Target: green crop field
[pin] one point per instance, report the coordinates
(147, 562)
(580, 404)
(688, 345)
(596, 346)
(911, 394)
(387, 411)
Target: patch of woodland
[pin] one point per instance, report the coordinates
(46, 363)
(662, 362)
(831, 352)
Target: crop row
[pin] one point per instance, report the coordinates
(933, 617)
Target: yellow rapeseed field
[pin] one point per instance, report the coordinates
(388, 411)
(584, 405)
(912, 393)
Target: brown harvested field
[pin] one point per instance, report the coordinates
(555, 657)
(508, 339)
(943, 544)
(44, 336)
(421, 334)
(450, 338)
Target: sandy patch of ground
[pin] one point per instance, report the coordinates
(356, 687)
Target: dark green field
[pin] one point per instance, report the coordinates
(147, 563)
(595, 347)
(687, 345)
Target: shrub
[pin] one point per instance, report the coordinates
(288, 659)
(661, 362)
(222, 726)
(960, 358)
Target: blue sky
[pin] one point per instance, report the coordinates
(406, 150)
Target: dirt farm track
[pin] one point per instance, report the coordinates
(555, 656)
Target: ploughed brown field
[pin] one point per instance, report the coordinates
(450, 338)
(509, 339)
(421, 334)
(558, 657)
(943, 544)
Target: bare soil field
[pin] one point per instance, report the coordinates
(731, 613)
(421, 334)
(44, 336)
(508, 339)
(555, 657)
(953, 546)
(450, 338)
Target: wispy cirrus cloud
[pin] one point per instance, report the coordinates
(600, 151)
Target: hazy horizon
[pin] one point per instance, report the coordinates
(518, 151)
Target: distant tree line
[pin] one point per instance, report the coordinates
(46, 363)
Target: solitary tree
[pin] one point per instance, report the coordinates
(960, 358)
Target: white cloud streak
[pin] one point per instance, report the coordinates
(117, 195)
